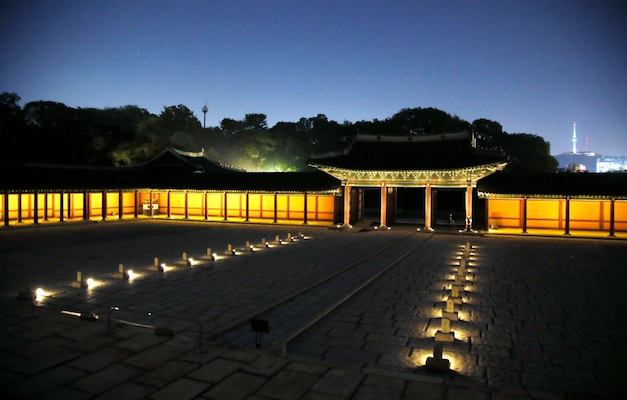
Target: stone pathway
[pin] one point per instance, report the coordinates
(543, 318)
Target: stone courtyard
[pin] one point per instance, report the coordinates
(351, 314)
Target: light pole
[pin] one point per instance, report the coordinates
(204, 117)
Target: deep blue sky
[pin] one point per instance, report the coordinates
(533, 66)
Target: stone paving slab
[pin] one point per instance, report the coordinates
(545, 320)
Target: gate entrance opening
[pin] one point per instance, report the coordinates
(449, 207)
(410, 206)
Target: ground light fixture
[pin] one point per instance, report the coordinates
(437, 362)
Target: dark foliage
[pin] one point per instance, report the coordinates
(50, 132)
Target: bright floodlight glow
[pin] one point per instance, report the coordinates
(39, 294)
(131, 274)
(90, 282)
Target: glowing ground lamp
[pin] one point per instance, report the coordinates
(80, 282)
(449, 312)
(455, 295)
(277, 239)
(264, 243)
(230, 251)
(437, 362)
(209, 256)
(155, 265)
(444, 334)
(122, 273)
(248, 246)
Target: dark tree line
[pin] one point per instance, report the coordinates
(51, 132)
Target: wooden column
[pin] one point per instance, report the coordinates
(247, 212)
(135, 204)
(186, 204)
(45, 206)
(35, 209)
(104, 205)
(69, 205)
(120, 205)
(206, 206)
(468, 208)
(61, 207)
(347, 204)
(524, 215)
(168, 209)
(5, 208)
(612, 217)
(384, 205)
(275, 208)
(150, 202)
(226, 209)
(86, 206)
(428, 207)
(19, 208)
(567, 224)
(305, 209)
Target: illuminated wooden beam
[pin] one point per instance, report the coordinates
(612, 217)
(305, 209)
(247, 207)
(85, 205)
(468, 207)
(19, 207)
(275, 207)
(384, 206)
(104, 205)
(61, 207)
(226, 208)
(46, 206)
(428, 207)
(186, 204)
(35, 209)
(135, 204)
(206, 205)
(120, 204)
(524, 215)
(347, 204)
(5, 208)
(567, 224)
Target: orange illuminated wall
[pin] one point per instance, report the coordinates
(113, 210)
(128, 203)
(236, 205)
(215, 204)
(296, 206)
(620, 215)
(589, 214)
(505, 213)
(95, 204)
(2, 207)
(547, 214)
(177, 203)
(196, 204)
(320, 208)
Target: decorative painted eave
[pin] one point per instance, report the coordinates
(539, 196)
(335, 192)
(459, 177)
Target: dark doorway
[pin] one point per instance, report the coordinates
(372, 204)
(410, 206)
(449, 207)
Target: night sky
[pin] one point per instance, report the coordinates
(533, 66)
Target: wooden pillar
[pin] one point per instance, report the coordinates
(135, 204)
(468, 207)
(428, 207)
(247, 212)
(347, 204)
(35, 208)
(150, 202)
(120, 205)
(86, 206)
(206, 205)
(384, 205)
(5, 208)
(186, 204)
(19, 207)
(567, 224)
(45, 206)
(305, 209)
(61, 207)
(226, 209)
(104, 205)
(69, 205)
(168, 209)
(524, 215)
(275, 208)
(612, 217)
